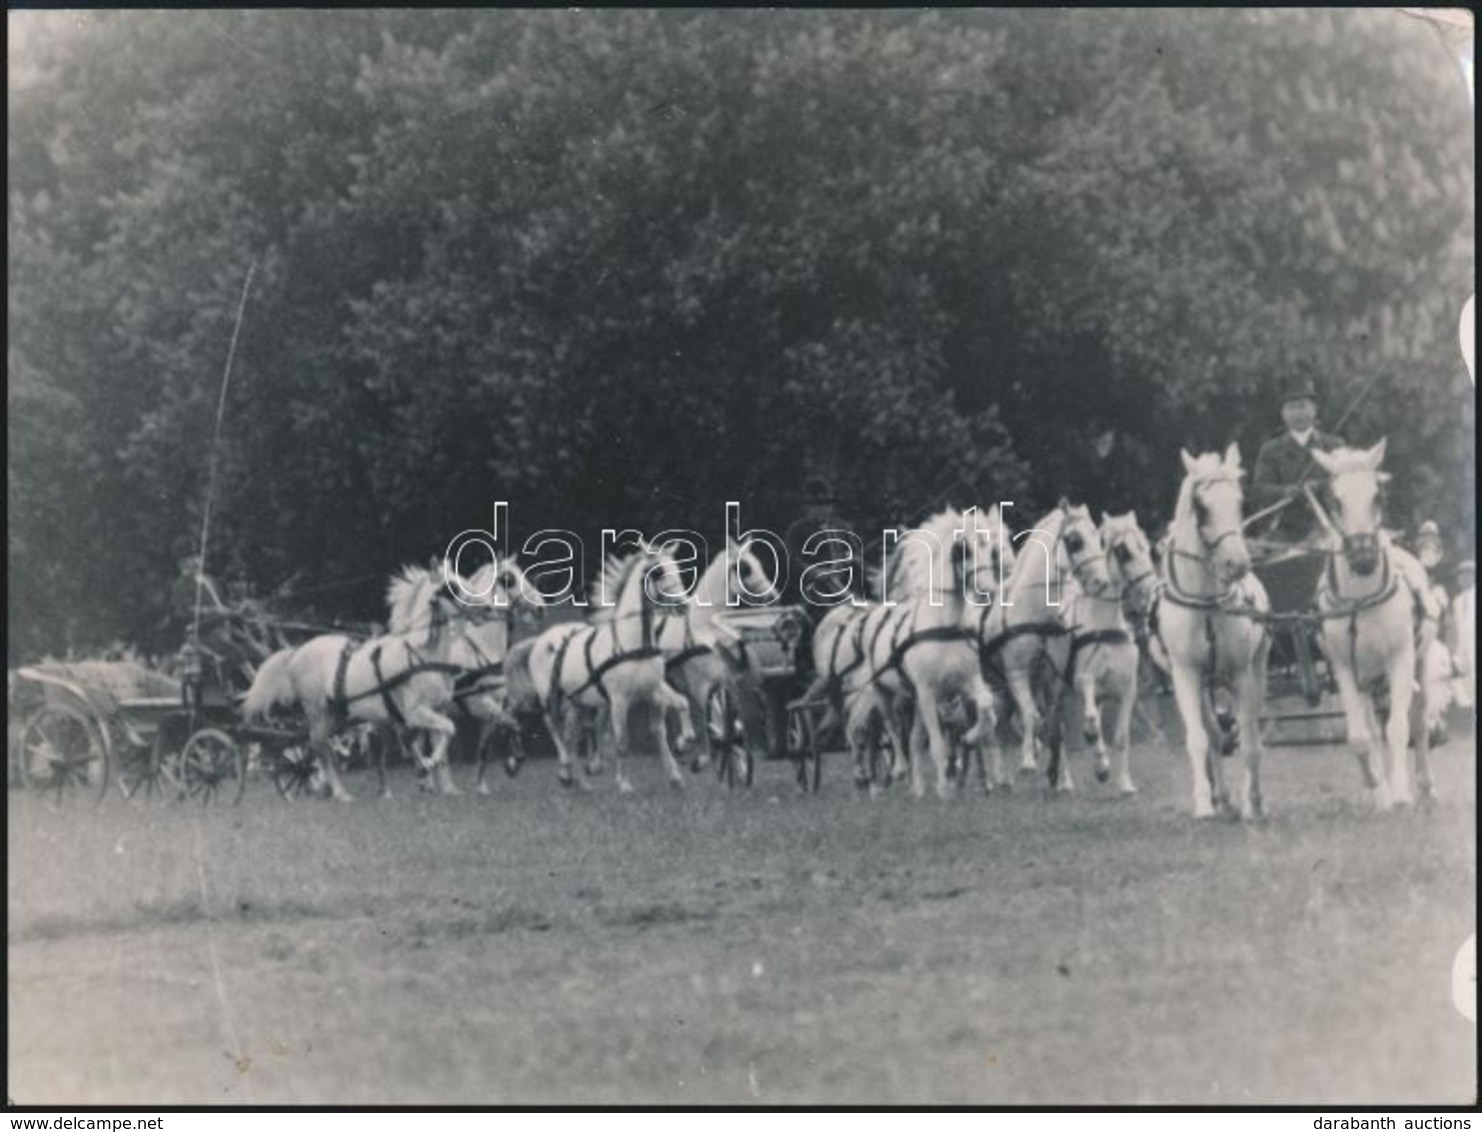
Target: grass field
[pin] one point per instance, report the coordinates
(763, 948)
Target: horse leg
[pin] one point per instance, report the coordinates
(1190, 696)
(617, 718)
(1397, 727)
(1362, 728)
(929, 712)
(1125, 698)
(983, 735)
(1091, 729)
(438, 730)
(668, 700)
(382, 741)
(1249, 692)
(1021, 687)
(902, 758)
(601, 725)
(860, 732)
(319, 735)
(487, 727)
(559, 724)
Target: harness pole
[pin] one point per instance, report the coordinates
(226, 377)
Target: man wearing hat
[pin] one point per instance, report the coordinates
(1285, 464)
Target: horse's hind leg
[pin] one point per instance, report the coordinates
(441, 731)
(319, 735)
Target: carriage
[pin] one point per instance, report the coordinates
(91, 723)
(764, 652)
(1301, 696)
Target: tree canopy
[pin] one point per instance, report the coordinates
(617, 267)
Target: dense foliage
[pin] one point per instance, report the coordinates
(617, 267)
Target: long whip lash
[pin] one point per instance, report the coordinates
(226, 377)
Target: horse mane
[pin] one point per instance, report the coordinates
(406, 595)
(615, 575)
(911, 560)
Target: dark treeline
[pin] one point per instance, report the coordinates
(617, 267)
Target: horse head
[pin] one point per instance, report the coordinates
(1081, 543)
(1210, 504)
(1353, 494)
(745, 578)
(1130, 559)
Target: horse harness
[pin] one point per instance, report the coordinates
(596, 671)
(340, 701)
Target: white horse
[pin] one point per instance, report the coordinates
(612, 662)
(1210, 623)
(493, 594)
(918, 647)
(1022, 638)
(699, 656)
(403, 678)
(1366, 600)
(1104, 654)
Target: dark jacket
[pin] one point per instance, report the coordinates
(1281, 466)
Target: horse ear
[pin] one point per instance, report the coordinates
(1376, 454)
(1382, 477)
(1189, 463)
(1132, 518)
(1323, 460)
(1232, 455)
(1064, 504)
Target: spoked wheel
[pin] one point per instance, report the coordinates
(1307, 672)
(293, 770)
(802, 745)
(212, 767)
(62, 752)
(727, 742)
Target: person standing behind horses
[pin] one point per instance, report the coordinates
(1284, 465)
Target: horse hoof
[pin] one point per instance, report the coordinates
(342, 796)
(566, 779)
(1089, 735)
(625, 787)
(1127, 790)
(482, 790)
(1103, 774)
(676, 784)
(511, 766)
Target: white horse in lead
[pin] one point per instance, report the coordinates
(1366, 599)
(1210, 624)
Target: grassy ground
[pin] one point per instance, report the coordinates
(547, 946)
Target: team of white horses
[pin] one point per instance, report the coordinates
(966, 630)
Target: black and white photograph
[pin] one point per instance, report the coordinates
(741, 557)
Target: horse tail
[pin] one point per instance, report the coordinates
(273, 685)
(521, 696)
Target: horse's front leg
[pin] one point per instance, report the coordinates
(1190, 697)
(1250, 691)
(1397, 727)
(440, 730)
(617, 718)
(1021, 687)
(1125, 698)
(1091, 728)
(1357, 715)
(667, 699)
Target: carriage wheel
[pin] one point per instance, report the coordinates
(802, 747)
(212, 766)
(63, 751)
(1307, 672)
(727, 741)
(293, 770)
